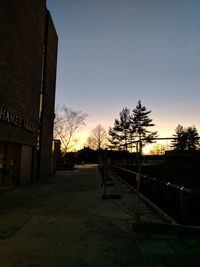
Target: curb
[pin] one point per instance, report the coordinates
(161, 213)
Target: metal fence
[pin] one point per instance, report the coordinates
(181, 203)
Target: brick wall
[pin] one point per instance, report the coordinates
(21, 48)
(22, 33)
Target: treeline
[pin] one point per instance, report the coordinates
(130, 132)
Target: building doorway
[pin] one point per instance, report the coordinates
(10, 155)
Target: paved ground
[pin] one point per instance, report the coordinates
(63, 221)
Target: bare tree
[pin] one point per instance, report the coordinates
(66, 123)
(91, 142)
(97, 138)
(158, 149)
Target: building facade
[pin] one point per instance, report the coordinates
(28, 59)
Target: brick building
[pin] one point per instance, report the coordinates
(28, 58)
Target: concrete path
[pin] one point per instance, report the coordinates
(63, 221)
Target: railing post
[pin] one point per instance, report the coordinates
(181, 205)
(167, 195)
(138, 175)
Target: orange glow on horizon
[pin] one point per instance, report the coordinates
(82, 134)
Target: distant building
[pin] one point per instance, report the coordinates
(28, 59)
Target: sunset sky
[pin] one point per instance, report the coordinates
(114, 52)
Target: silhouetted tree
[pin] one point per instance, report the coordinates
(180, 138)
(66, 123)
(185, 138)
(120, 133)
(140, 123)
(91, 143)
(97, 138)
(192, 138)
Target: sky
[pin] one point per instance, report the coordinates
(112, 53)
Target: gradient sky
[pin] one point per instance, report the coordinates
(114, 52)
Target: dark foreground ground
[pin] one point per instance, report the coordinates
(63, 221)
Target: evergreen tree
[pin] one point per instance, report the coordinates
(120, 133)
(180, 138)
(185, 138)
(192, 138)
(130, 128)
(140, 122)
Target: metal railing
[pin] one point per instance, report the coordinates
(181, 203)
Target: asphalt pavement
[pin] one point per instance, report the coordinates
(64, 221)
